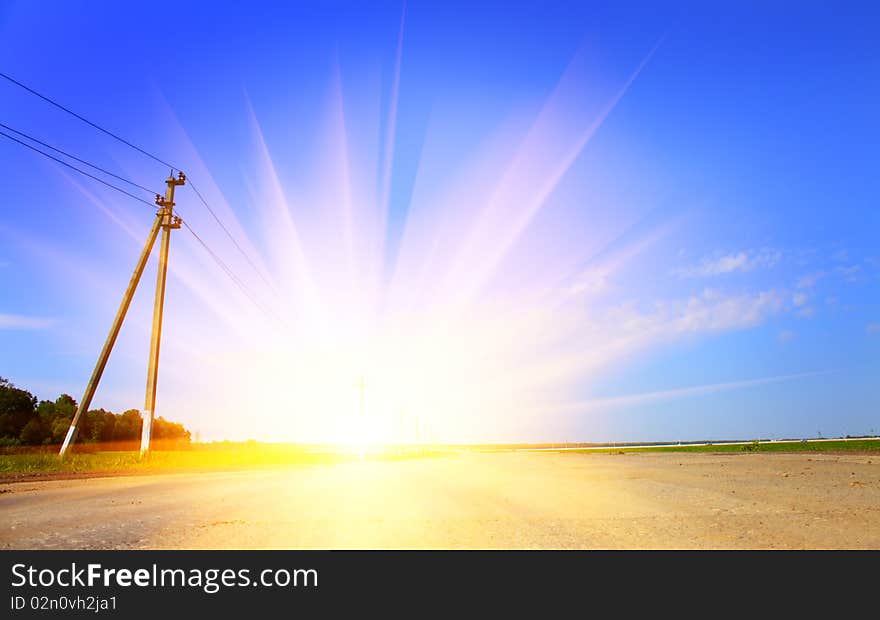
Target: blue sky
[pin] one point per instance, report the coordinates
(547, 221)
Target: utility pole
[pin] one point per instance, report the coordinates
(169, 222)
(362, 422)
(361, 387)
(165, 220)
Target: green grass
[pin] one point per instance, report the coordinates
(202, 458)
(235, 456)
(31, 463)
(829, 445)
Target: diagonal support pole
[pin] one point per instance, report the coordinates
(92, 385)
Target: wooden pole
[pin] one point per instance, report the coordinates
(92, 385)
(169, 221)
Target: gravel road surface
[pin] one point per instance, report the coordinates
(517, 500)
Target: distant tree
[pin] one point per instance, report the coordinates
(99, 425)
(16, 409)
(65, 408)
(46, 410)
(65, 405)
(25, 421)
(60, 427)
(35, 432)
(163, 429)
(128, 426)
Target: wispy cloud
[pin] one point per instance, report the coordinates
(715, 311)
(17, 321)
(873, 329)
(809, 280)
(785, 336)
(849, 273)
(593, 279)
(675, 393)
(743, 261)
(801, 301)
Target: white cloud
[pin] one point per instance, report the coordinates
(800, 300)
(675, 393)
(589, 342)
(590, 281)
(849, 273)
(17, 321)
(595, 278)
(806, 312)
(809, 280)
(746, 260)
(714, 311)
(873, 329)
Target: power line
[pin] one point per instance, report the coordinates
(140, 150)
(87, 121)
(228, 271)
(231, 238)
(74, 157)
(80, 170)
(115, 136)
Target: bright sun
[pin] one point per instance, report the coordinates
(408, 383)
(466, 316)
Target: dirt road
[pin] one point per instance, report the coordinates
(505, 500)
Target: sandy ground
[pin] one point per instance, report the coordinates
(506, 500)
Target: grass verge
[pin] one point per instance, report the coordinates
(830, 445)
(12, 465)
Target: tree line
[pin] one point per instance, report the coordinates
(25, 421)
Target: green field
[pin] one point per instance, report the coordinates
(830, 445)
(115, 461)
(208, 457)
(235, 456)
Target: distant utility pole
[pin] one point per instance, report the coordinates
(361, 387)
(166, 221)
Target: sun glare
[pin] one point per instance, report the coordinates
(462, 319)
